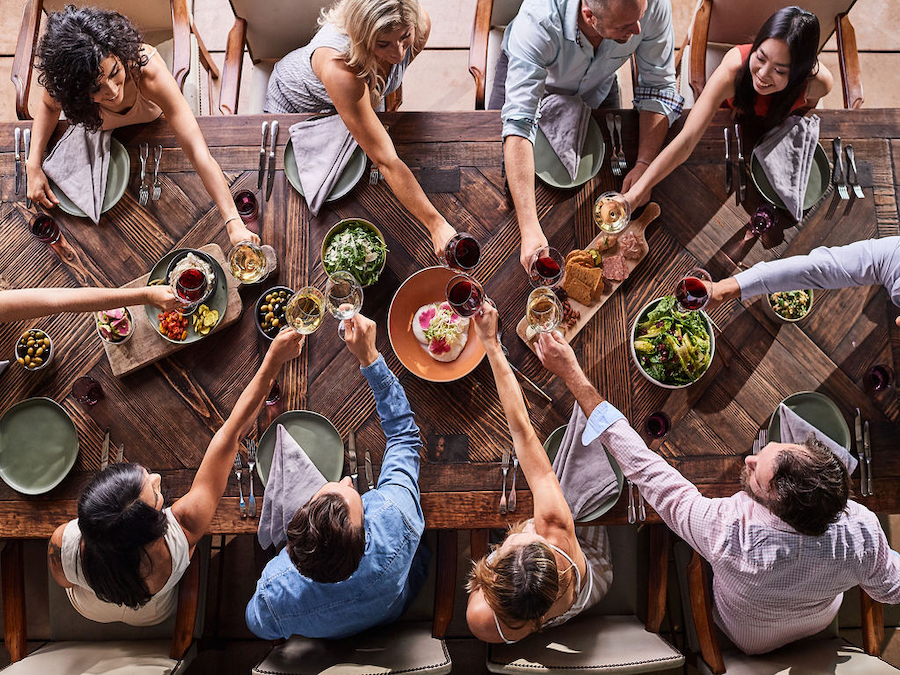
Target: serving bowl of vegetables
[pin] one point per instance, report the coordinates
(672, 349)
(789, 306)
(355, 245)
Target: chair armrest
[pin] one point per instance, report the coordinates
(206, 59)
(394, 100)
(186, 614)
(701, 608)
(478, 47)
(699, 37)
(872, 615)
(659, 577)
(22, 63)
(181, 41)
(445, 584)
(12, 571)
(848, 60)
(231, 71)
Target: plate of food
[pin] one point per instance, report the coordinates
(174, 327)
(672, 349)
(789, 306)
(594, 273)
(550, 170)
(817, 409)
(429, 338)
(354, 170)
(314, 433)
(356, 246)
(116, 182)
(816, 187)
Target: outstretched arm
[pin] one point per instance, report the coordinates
(30, 303)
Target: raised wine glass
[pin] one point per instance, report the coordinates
(544, 310)
(461, 252)
(465, 295)
(692, 290)
(304, 310)
(248, 262)
(343, 297)
(546, 268)
(192, 288)
(612, 212)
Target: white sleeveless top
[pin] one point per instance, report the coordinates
(160, 607)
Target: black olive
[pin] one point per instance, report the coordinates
(276, 308)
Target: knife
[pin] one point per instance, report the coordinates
(867, 448)
(742, 170)
(728, 168)
(351, 453)
(262, 156)
(270, 181)
(120, 454)
(369, 480)
(27, 135)
(860, 453)
(104, 451)
(18, 133)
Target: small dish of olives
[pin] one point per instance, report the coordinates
(34, 349)
(269, 312)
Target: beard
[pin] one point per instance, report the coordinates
(745, 486)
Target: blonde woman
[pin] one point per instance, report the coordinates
(545, 572)
(358, 57)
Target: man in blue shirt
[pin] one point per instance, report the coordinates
(350, 562)
(576, 47)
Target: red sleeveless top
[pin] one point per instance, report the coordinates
(761, 105)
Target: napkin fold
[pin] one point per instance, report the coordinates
(786, 156)
(322, 149)
(585, 475)
(293, 480)
(78, 164)
(564, 121)
(795, 429)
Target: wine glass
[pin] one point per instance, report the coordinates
(612, 212)
(87, 390)
(304, 310)
(248, 262)
(247, 205)
(461, 252)
(465, 295)
(44, 228)
(192, 288)
(343, 297)
(546, 268)
(544, 310)
(658, 424)
(692, 291)
(762, 221)
(879, 377)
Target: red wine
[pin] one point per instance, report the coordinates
(87, 390)
(878, 377)
(762, 221)
(274, 394)
(191, 284)
(247, 206)
(465, 297)
(463, 252)
(548, 269)
(692, 293)
(44, 228)
(658, 424)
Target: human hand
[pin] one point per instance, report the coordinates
(632, 177)
(359, 334)
(163, 297)
(530, 245)
(440, 236)
(39, 187)
(635, 198)
(287, 345)
(722, 291)
(557, 355)
(238, 232)
(486, 324)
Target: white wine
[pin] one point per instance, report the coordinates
(247, 262)
(611, 213)
(544, 310)
(343, 295)
(304, 310)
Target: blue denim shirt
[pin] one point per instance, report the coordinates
(287, 603)
(548, 53)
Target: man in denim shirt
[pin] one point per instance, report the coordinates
(576, 47)
(350, 562)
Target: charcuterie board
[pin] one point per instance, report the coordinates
(586, 312)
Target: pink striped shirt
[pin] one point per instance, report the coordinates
(771, 584)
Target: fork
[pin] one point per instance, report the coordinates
(853, 175)
(840, 182)
(504, 463)
(374, 175)
(144, 194)
(157, 186)
(614, 156)
(631, 514)
(623, 165)
(512, 491)
(251, 464)
(237, 474)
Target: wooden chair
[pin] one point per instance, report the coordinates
(815, 654)
(166, 24)
(268, 30)
(719, 25)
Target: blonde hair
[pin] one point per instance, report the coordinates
(364, 21)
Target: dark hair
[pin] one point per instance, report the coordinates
(75, 42)
(810, 487)
(116, 525)
(799, 29)
(322, 542)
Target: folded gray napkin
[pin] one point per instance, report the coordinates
(585, 474)
(78, 164)
(786, 156)
(564, 121)
(795, 429)
(322, 148)
(293, 479)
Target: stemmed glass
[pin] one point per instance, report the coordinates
(692, 291)
(465, 295)
(192, 288)
(544, 310)
(343, 297)
(461, 252)
(248, 262)
(761, 221)
(304, 310)
(546, 268)
(611, 212)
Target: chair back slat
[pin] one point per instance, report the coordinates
(276, 27)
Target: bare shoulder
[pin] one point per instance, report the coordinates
(155, 71)
(821, 84)
(54, 557)
(480, 618)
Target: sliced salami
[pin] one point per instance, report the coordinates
(615, 268)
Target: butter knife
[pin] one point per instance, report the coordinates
(270, 180)
(351, 454)
(369, 479)
(728, 168)
(104, 451)
(742, 170)
(120, 453)
(18, 134)
(27, 137)
(860, 453)
(867, 448)
(262, 156)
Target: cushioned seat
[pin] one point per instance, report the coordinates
(834, 655)
(138, 657)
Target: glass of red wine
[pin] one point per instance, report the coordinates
(692, 291)
(44, 228)
(762, 220)
(192, 288)
(465, 295)
(247, 205)
(546, 268)
(87, 390)
(658, 424)
(274, 394)
(461, 252)
(879, 377)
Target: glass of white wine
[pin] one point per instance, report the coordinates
(248, 262)
(544, 310)
(343, 297)
(612, 213)
(304, 310)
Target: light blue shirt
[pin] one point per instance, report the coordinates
(548, 54)
(287, 603)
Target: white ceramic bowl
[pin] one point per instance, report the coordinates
(767, 307)
(46, 356)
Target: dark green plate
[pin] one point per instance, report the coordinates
(314, 433)
(818, 410)
(819, 178)
(354, 170)
(116, 181)
(551, 446)
(38, 445)
(549, 169)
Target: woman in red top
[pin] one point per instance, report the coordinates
(766, 81)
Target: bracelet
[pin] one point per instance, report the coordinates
(230, 219)
(642, 161)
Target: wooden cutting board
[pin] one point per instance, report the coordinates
(146, 345)
(651, 212)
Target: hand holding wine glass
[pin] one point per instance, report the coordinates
(487, 324)
(692, 292)
(461, 252)
(465, 295)
(546, 268)
(343, 297)
(360, 338)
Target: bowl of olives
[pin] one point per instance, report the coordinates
(34, 349)
(270, 310)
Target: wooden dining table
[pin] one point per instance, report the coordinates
(165, 413)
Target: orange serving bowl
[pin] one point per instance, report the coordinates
(424, 287)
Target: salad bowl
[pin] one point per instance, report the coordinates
(348, 251)
(791, 302)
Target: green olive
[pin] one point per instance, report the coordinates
(46, 342)
(21, 361)
(30, 351)
(27, 360)
(275, 322)
(37, 360)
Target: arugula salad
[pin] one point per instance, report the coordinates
(672, 347)
(358, 250)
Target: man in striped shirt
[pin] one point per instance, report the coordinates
(782, 551)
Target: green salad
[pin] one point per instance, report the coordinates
(358, 250)
(792, 305)
(672, 347)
